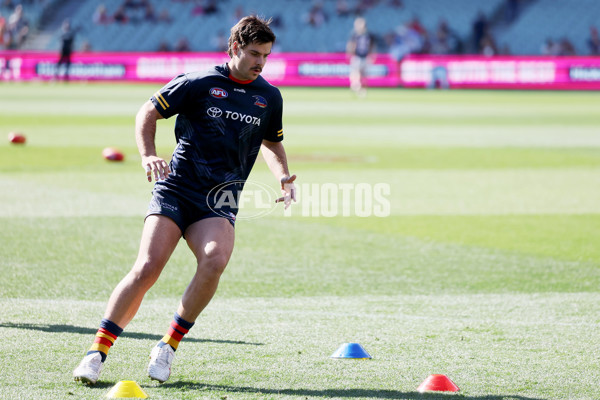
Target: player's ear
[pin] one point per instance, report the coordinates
(235, 47)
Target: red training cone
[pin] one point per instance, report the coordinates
(112, 154)
(17, 138)
(437, 383)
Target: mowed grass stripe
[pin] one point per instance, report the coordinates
(455, 192)
(566, 237)
(85, 257)
(402, 135)
(446, 192)
(47, 158)
(45, 195)
(349, 157)
(462, 278)
(238, 349)
(440, 121)
(32, 158)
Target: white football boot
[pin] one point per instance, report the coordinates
(89, 369)
(159, 368)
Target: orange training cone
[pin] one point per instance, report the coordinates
(437, 383)
(126, 389)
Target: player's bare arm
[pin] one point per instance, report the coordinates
(145, 132)
(275, 157)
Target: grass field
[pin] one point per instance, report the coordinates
(487, 268)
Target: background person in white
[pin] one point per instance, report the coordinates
(360, 48)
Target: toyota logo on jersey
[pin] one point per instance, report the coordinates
(214, 112)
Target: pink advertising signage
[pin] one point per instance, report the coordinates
(322, 69)
(502, 72)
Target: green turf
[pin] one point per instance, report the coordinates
(486, 269)
(568, 237)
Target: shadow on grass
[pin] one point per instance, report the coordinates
(100, 385)
(57, 328)
(341, 393)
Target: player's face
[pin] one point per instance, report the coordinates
(248, 62)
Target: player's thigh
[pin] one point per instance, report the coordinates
(159, 239)
(211, 240)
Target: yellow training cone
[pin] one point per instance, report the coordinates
(129, 389)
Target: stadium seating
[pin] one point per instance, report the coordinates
(295, 34)
(554, 19)
(537, 22)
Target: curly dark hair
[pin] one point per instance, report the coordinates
(250, 29)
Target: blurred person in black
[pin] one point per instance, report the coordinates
(593, 42)
(66, 49)
(479, 29)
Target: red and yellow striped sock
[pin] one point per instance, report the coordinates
(105, 338)
(179, 327)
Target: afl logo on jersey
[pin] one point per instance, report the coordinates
(218, 93)
(260, 101)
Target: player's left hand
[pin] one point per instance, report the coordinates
(288, 190)
(157, 166)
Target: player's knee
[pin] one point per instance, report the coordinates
(145, 274)
(214, 263)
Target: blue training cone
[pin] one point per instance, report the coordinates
(351, 350)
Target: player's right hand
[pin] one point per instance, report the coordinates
(154, 165)
(288, 190)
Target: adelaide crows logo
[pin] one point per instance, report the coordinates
(260, 101)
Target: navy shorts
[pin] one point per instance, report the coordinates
(182, 210)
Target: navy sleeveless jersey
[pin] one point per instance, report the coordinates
(220, 126)
(364, 42)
